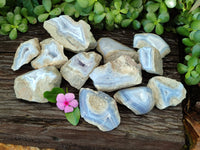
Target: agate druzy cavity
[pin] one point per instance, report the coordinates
(31, 85)
(166, 91)
(138, 99)
(75, 36)
(151, 40)
(99, 109)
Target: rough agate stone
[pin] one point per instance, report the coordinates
(111, 49)
(75, 36)
(151, 60)
(31, 86)
(138, 99)
(151, 40)
(51, 55)
(25, 53)
(99, 109)
(166, 91)
(120, 73)
(76, 71)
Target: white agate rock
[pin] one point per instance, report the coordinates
(166, 91)
(138, 99)
(75, 36)
(99, 109)
(120, 73)
(25, 53)
(51, 55)
(111, 49)
(151, 60)
(31, 86)
(151, 40)
(76, 71)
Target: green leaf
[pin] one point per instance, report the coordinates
(170, 3)
(32, 20)
(69, 9)
(135, 14)
(196, 36)
(24, 12)
(193, 61)
(73, 117)
(126, 22)
(182, 68)
(55, 11)
(110, 18)
(69, 1)
(13, 34)
(151, 16)
(99, 18)
(163, 7)
(136, 3)
(188, 50)
(192, 81)
(29, 5)
(153, 7)
(159, 29)
(195, 25)
(91, 16)
(198, 68)
(149, 27)
(17, 10)
(196, 50)
(117, 5)
(6, 27)
(118, 18)
(43, 17)
(83, 3)
(17, 19)
(10, 17)
(182, 31)
(2, 20)
(124, 11)
(164, 17)
(187, 42)
(98, 8)
(3, 33)
(47, 5)
(194, 74)
(38, 10)
(187, 57)
(23, 28)
(2, 3)
(136, 25)
(51, 95)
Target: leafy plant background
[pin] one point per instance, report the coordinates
(180, 16)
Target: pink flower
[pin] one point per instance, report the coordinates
(66, 102)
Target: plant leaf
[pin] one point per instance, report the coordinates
(51, 95)
(73, 117)
(2, 3)
(47, 5)
(182, 68)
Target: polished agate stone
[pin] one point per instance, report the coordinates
(112, 49)
(99, 109)
(25, 53)
(75, 36)
(166, 92)
(151, 60)
(138, 99)
(32, 85)
(76, 71)
(51, 55)
(151, 40)
(121, 73)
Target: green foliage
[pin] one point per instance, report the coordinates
(73, 117)
(51, 95)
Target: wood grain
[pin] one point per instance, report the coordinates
(43, 125)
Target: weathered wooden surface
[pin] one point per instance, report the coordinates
(43, 125)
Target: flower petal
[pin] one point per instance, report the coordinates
(61, 105)
(73, 103)
(69, 96)
(60, 98)
(68, 109)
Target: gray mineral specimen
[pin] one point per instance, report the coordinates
(31, 86)
(51, 55)
(121, 73)
(75, 36)
(25, 53)
(166, 91)
(76, 71)
(99, 109)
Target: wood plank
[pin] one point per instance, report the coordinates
(43, 125)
